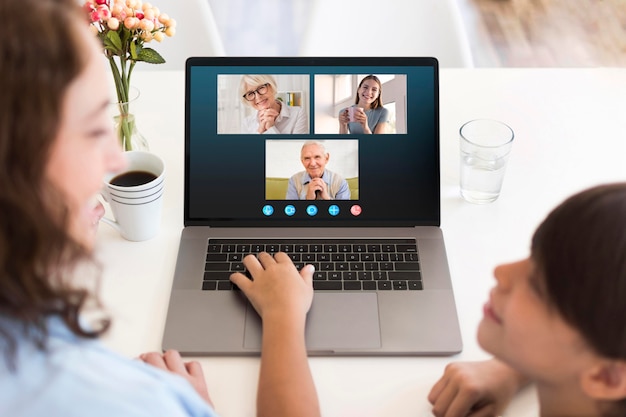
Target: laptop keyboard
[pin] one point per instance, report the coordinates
(354, 265)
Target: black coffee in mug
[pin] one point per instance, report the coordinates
(133, 178)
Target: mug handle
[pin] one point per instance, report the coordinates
(105, 219)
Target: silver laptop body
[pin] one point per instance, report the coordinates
(228, 176)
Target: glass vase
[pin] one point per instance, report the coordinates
(128, 134)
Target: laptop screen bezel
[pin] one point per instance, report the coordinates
(433, 219)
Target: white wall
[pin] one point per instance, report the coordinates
(282, 157)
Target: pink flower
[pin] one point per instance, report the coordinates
(104, 12)
(130, 22)
(113, 23)
(94, 16)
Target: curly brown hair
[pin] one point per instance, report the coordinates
(41, 53)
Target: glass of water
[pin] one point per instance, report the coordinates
(485, 148)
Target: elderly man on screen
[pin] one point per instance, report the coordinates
(316, 182)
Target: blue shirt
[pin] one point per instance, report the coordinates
(76, 377)
(298, 187)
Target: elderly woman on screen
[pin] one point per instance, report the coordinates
(272, 115)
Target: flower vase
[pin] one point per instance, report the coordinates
(129, 136)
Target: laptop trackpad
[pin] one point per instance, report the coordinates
(336, 322)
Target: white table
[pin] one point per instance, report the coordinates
(570, 128)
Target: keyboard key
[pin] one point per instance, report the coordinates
(411, 257)
(237, 266)
(334, 275)
(369, 285)
(364, 276)
(406, 248)
(327, 285)
(323, 257)
(399, 285)
(217, 276)
(217, 266)
(407, 266)
(379, 276)
(405, 275)
(352, 285)
(327, 266)
(357, 266)
(345, 248)
(371, 266)
(349, 276)
(386, 266)
(330, 248)
(209, 285)
(342, 266)
(319, 276)
(367, 257)
(384, 285)
(223, 286)
(416, 285)
(359, 248)
(216, 257)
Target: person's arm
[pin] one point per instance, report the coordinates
(282, 296)
(477, 388)
(381, 128)
(344, 191)
(381, 124)
(292, 192)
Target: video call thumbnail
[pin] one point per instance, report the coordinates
(343, 104)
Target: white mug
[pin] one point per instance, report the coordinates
(136, 196)
(351, 112)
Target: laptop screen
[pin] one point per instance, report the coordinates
(305, 142)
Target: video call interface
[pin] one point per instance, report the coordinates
(312, 142)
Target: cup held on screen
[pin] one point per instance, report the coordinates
(352, 111)
(136, 196)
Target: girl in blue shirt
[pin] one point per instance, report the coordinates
(56, 144)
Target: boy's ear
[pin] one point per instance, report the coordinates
(605, 381)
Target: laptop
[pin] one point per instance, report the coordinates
(382, 282)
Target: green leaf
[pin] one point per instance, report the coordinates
(133, 51)
(113, 40)
(150, 56)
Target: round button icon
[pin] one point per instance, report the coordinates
(333, 210)
(268, 210)
(290, 210)
(311, 210)
(355, 210)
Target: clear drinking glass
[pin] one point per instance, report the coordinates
(485, 148)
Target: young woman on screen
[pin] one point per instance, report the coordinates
(367, 115)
